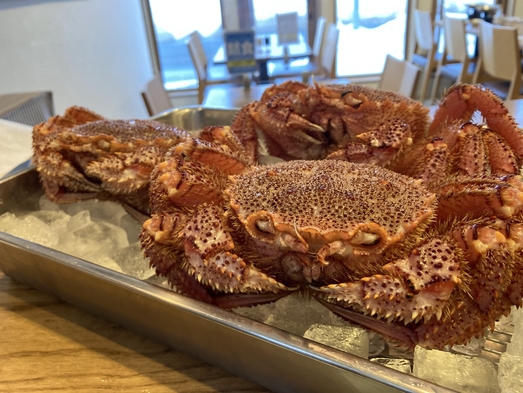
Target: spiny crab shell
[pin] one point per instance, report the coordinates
(82, 155)
(372, 245)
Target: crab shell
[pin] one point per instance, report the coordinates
(81, 155)
(315, 211)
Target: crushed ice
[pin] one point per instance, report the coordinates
(99, 232)
(105, 234)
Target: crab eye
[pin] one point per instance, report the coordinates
(366, 238)
(261, 226)
(264, 226)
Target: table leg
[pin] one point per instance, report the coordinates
(264, 74)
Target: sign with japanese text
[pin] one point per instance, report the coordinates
(239, 46)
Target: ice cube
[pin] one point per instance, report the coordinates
(29, 228)
(50, 216)
(131, 226)
(105, 233)
(46, 204)
(376, 344)
(79, 247)
(100, 210)
(516, 343)
(510, 373)
(132, 262)
(108, 263)
(80, 220)
(402, 365)
(473, 348)
(460, 372)
(294, 313)
(506, 323)
(352, 339)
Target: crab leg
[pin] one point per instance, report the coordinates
(501, 241)
(415, 287)
(184, 176)
(463, 100)
(208, 249)
(501, 197)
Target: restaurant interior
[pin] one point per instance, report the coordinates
(179, 56)
(68, 326)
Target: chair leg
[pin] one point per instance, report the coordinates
(437, 76)
(427, 73)
(435, 86)
(201, 91)
(429, 68)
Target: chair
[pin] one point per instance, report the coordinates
(155, 98)
(499, 63)
(283, 69)
(399, 76)
(324, 69)
(215, 71)
(427, 42)
(455, 62)
(202, 70)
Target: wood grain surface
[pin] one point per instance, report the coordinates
(47, 345)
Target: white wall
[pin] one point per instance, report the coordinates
(92, 53)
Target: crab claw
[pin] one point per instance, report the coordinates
(379, 146)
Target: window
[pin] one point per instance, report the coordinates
(369, 30)
(174, 21)
(265, 12)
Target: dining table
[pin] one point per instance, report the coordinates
(225, 96)
(267, 48)
(47, 345)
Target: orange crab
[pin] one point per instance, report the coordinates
(83, 155)
(360, 124)
(375, 246)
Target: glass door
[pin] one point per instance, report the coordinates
(369, 30)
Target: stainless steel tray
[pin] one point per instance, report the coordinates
(266, 355)
(194, 118)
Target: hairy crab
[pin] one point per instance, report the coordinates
(83, 155)
(360, 124)
(375, 246)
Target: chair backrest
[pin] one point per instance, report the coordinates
(399, 76)
(499, 51)
(455, 37)
(391, 76)
(410, 77)
(155, 97)
(287, 28)
(318, 37)
(329, 49)
(196, 37)
(423, 29)
(198, 59)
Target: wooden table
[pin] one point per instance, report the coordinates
(273, 51)
(226, 96)
(49, 346)
(222, 96)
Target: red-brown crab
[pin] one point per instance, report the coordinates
(82, 155)
(374, 246)
(360, 124)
